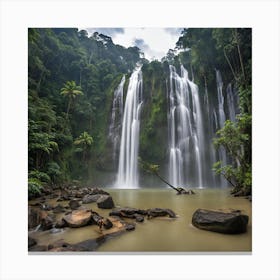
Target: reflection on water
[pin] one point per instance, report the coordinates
(164, 234)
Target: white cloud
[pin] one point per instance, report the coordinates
(154, 42)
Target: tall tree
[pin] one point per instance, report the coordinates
(71, 91)
(84, 141)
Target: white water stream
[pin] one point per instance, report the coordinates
(128, 159)
(116, 118)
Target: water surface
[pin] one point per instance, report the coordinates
(165, 234)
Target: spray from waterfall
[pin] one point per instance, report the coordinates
(128, 159)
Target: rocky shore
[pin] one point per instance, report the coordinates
(75, 214)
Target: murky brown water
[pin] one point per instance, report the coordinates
(164, 234)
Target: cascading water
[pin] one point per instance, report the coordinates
(116, 118)
(190, 129)
(186, 140)
(230, 108)
(221, 111)
(128, 159)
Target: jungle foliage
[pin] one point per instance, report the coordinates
(229, 50)
(71, 80)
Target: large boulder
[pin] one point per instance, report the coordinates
(78, 218)
(89, 198)
(105, 202)
(226, 221)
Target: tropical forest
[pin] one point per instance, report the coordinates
(135, 153)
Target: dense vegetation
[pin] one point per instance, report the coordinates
(71, 80)
(229, 50)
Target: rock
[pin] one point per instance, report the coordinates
(89, 198)
(184, 191)
(119, 227)
(160, 212)
(105, 202)
(130, 227)
(33, 218)
(58, 209)
(64, 196)
(62, 246)
(47, 222)
(78, 218)
(138, 214)
(31, 242)
(100, 221)
(226, 221)
(96, 218)
(107, 224)
(39, 217)
(74, 204)
(139, 218)
(79, 195)
(127, 212)
(97, 191)
(60, 224)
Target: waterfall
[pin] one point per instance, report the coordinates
(128, 159)
(116, 118)
(186, 132)
(222, 117)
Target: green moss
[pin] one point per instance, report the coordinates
(153, 134)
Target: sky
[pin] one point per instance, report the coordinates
(153, 42)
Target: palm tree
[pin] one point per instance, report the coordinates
(85, 141)
(70, 90)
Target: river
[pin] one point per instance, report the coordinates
(164, 234)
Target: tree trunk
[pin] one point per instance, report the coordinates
(230, 65)
(68, 108)
(239, 53)
(162, 179)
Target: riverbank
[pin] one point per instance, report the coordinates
(161, 234)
